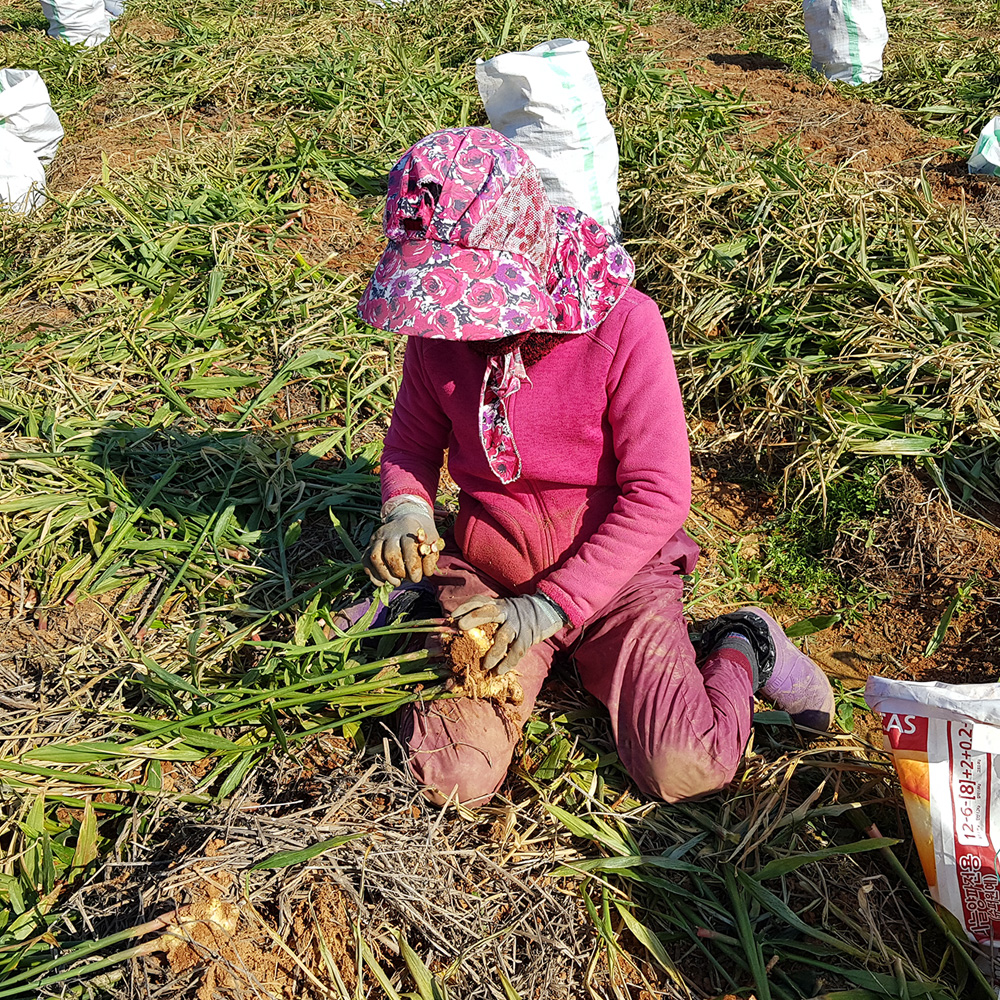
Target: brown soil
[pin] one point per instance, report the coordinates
(829, 127)
(321, 932)
(52, 631)
(230, 946)
(891, 641)
(149, 28)
(22, 319)
(110, 134)
(329, 232)
(464, 651)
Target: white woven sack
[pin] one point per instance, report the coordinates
(985, 157)
(549, 102)
(25, 111)
(847, 38)
(79, 22)
(22, 176)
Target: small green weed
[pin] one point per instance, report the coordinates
(798, 547)
(788, 557)
(848, 701)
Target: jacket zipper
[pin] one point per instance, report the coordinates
(541, 510)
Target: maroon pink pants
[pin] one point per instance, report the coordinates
(680, 728)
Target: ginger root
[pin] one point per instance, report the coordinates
(464, 653)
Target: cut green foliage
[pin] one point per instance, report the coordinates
(784, 866)
(952, 89)
(285, 858)
(428, 986)
(820, 328)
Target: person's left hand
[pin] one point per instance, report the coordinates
(523, 621)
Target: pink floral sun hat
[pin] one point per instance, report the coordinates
(477, 252)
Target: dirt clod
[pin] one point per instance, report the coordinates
(193, 934)
(222, 945)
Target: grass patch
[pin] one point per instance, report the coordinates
(810, 318)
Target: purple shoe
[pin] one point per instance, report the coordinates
(415, 599)
(787, 676)
(347, 617)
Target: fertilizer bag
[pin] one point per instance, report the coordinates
(985, 157)
(22, 176)
(549, 102)
(847, 38)
(25, 111)
(79, 22)
(945, 744)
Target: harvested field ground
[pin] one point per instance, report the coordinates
(201, 793)
(818, 118)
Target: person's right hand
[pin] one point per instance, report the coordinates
(406, 546)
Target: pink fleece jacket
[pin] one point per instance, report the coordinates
(606, 473)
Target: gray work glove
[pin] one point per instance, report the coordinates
(523, 621)
(407, 545)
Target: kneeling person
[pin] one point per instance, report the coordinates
(550, 382)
